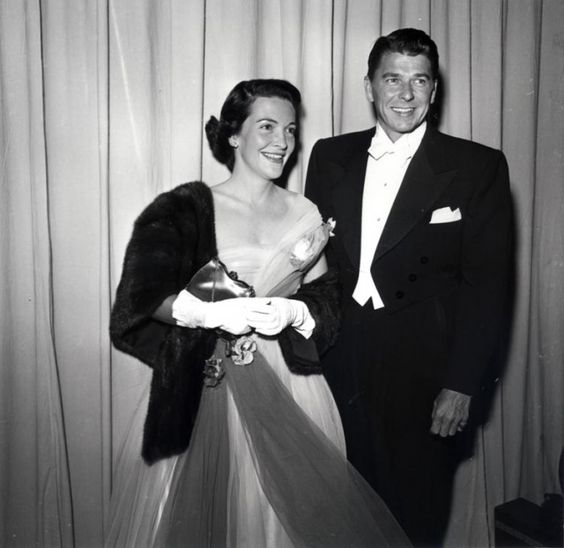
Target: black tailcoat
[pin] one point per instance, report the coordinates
(444, 287)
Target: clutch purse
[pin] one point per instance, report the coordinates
(213, 282)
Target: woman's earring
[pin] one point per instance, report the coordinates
(233, 143)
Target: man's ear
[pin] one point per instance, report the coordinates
(368, 89)
(434, 92)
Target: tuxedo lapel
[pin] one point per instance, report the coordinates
(426, 178)
(347, 198)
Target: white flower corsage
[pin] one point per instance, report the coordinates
(330, 224)
(309, 246)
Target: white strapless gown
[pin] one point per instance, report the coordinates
(266, 464)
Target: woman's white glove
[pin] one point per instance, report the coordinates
(229, 314)
(269, 316)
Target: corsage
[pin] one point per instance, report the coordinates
(307, 248)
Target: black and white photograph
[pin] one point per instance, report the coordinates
(281, 273)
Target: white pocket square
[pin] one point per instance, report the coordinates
(445, 215)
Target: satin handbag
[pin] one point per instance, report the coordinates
(213, 282)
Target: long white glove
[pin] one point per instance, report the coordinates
(270, 316)
(229, 315)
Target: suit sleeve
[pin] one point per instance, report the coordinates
(486, 265)
(317, 190)
(312, 182)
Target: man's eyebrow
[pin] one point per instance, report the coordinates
(397, 75)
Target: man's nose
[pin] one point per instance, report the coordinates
(407, 92)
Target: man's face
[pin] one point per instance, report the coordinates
(402, 91)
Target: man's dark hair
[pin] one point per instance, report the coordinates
(236, 110)
(408, 42)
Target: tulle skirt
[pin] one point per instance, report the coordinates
(266, 467)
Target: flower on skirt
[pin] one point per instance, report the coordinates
(241, 350)
(213, 372)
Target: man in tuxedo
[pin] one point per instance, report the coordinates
(422, 242)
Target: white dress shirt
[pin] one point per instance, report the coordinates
(386, 167)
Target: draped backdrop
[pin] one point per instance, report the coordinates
(102, 105)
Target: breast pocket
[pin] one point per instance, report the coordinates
(443, 233)
(440, 249)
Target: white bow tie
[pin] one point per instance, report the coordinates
(378, 149)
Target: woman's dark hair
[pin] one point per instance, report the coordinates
(236, 110)
(407, 41)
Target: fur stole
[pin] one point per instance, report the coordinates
(172, 238)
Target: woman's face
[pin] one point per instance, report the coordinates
(266, 139)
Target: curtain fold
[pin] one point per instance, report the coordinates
(103, 105)
(35, 499)
(544, 427)
(75, 67)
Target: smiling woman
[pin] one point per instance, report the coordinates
(266, 140)
(256, 456)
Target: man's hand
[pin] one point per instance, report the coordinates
(450, 413)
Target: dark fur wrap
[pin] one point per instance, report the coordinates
(172, 238)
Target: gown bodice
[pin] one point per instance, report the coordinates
(278, 270)
(266, 464)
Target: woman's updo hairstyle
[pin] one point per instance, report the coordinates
(236, 110)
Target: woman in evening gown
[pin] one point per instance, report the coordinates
(257, 457)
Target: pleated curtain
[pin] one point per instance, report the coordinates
(102, 106)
